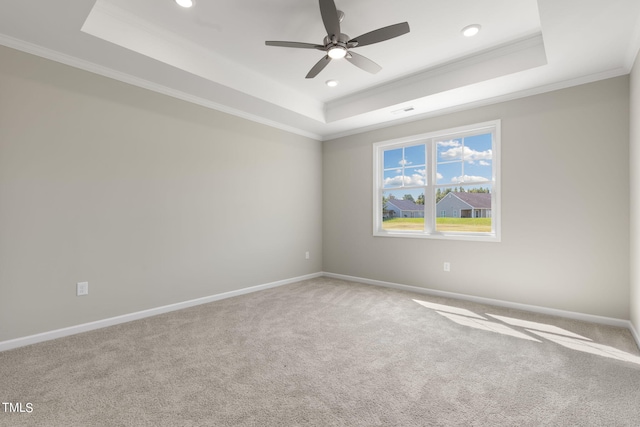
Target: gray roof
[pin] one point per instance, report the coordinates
(406, 205)
(476, 200)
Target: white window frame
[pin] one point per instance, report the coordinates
(430, 189)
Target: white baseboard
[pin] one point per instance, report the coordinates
(85, 327)
(500, 303)
(635, 334)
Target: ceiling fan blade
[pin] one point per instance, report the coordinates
(330, 18)
(363, 62)
(381, 34)
(318, 67)
(295, 44)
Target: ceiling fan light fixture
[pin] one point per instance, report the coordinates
(471, 30)
(331, 83)
(337, 52)
(338, 45)
(184, 3)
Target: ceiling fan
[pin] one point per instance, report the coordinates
(338, 45)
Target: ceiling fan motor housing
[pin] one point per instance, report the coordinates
(341, 40)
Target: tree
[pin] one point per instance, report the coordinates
(420, 200)
(408, 197)
(478, 190)
(384, 206)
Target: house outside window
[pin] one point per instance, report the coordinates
(443, 185)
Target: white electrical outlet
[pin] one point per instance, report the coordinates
(306, 255)
(447, 266)
(82, 288)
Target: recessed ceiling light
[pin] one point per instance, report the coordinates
(331, 83)
(471, 30)
(184, 3)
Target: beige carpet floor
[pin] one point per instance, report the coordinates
(326, 352)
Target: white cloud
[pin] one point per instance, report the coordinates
(483, 163)
(439, 176)
(397, 181)
(417, 179)
(467, 179)
(404, 162)
(470, 154)
(452, 153)
(450, 143)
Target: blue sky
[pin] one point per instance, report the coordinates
(459, 161)
(465, 160)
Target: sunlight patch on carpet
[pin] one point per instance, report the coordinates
(552, 333)
(589, 347)
(537, 326)
(486, 326)
(449, 309)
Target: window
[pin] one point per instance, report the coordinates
(443, 185)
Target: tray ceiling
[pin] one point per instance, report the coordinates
(214, 54)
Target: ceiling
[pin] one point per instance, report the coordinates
(214, 54)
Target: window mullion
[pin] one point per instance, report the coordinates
(429, 191)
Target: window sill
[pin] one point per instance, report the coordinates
(469, 237)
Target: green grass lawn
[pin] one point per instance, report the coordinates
(442, 224)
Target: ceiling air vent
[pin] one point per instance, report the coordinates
(403, 110)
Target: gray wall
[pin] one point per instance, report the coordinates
(152, 200)
(156, 201)
(565, 207)
(635, 195)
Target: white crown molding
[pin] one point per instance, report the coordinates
(516, 56)
(483, 102)
(91, 67)
(111, 23)
(319, 135)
